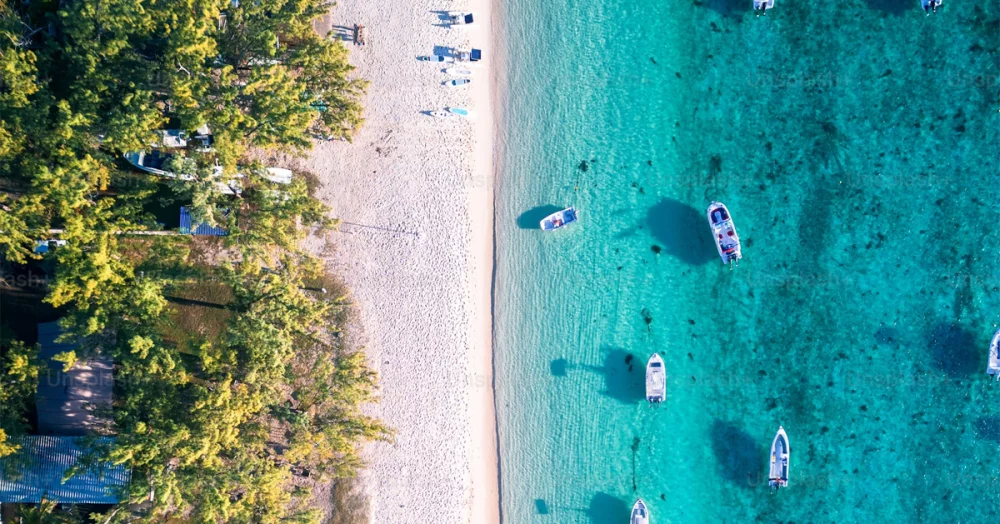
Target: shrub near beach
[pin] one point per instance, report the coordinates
(232, 381)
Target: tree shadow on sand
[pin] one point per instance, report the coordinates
(624, 376)
(605, 508)
(682, 230)
(531, 218)
(953, 350)
(738, 454)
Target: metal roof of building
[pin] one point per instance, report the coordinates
(65, 399)
(38, 468)
(200, 229)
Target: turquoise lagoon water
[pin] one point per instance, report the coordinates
(856, 147)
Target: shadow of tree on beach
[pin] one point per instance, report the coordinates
(605, 508)
(738, 454)
(624, 376)
(682, 230)
(531, 218)
(953, 350)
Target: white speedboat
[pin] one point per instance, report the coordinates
(458, 82)
(458, 71)
(993, 365)
(656, 380)
(724, 233)
(761, 6)
(777, 477)
(460, 19)
(436, 58)
(930, 6)
(441, 113)
(559, 219)
(278, 175)
(460, 111)
(640, 515)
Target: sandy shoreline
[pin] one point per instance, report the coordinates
(416, 249)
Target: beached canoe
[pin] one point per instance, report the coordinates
(640, 515)
(458, 82)
(436, 58)
(993, 363)
(559, 219)
(724, 233)
(458, 71)
(441, 113)
(777, 476)
(656, 380)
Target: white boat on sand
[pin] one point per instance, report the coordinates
(441, 113)
(458, 71)
(724, 233)
(656, 380)
(460, 111)
(777, 476)
(993, 365)
(559, 219)
(436, 58)
(640, 515)
(458, 82)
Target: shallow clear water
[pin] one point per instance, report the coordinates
(855, 146)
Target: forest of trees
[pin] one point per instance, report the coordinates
(215, 413)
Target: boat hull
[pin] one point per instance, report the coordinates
(993, 363)
(656, 380)
(780, 454)
(559, 219)
(727, 241)
(640, 513)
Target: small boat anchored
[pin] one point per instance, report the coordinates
(761, 6)
(724, 233)
(559, 219)
(993, 365)
(640, 515)
(656, 380)
(778, 475)
(930, 6)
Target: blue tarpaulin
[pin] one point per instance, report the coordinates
(200, 229)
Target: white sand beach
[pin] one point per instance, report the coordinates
(415, 194)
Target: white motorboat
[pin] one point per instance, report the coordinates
(761, 6)
(458, 71)
(724, 233)
(559, 219)
(458, 82)
(278, 175)
(441, 113)
(640, 514)
(930, 6)
(993, 365)
(777, 476)
(656, 380)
